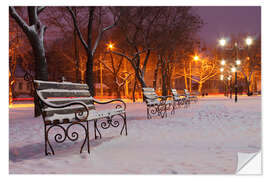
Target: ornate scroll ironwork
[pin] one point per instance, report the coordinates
(111, 122)
(61, 137)
(160, 109)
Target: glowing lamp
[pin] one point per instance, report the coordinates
(222, 42)
(221, 69)
(221, 77)
(238, 62)
(196, 58)
(223, 62)
(249, 41)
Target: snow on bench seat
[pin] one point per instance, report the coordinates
(156, 102)
(93, 115)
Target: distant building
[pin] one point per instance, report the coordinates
(21, 88)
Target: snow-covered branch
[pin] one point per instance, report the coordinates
(100, 34)
(13, 13)
(40, 9)
(77, 28)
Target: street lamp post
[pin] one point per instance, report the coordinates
(222, 43)
(248, 42)
(195, 58)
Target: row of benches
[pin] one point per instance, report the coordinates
(65, 104)
(161, 104)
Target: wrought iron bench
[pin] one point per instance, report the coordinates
(180, 101)
(66, 104)
(191, 97)
(157, 104)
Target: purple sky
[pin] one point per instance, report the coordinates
(223, 21)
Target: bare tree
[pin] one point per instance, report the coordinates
(205, 69)
(35, 32)
(90, 50)
(176, 32)
(62, 25)
(251, 64)
(137, 27)
(114, 65)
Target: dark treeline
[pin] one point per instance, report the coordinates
(150, 47)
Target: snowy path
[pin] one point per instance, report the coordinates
(204, 138)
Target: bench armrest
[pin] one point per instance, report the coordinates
(110, 101)
(161, 97)
(77, 114)
(165, 97)
(179, 95)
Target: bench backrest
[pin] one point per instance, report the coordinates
(174, 92)
(186, 92)
(61, 93)
(149, 94)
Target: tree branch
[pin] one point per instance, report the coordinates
(42, 31)
(19, 20)
(100, 34)
(40, 9)
(77, 28)
(145, 61)
(125, 56)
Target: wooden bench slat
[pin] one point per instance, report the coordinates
(67, 110)
(148, 90)
(86, 100)
(94, 114)
(64, 93)
(174, 92)
(39, 85)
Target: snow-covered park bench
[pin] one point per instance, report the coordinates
(191, 97)
(66, 104)
(157, 104)
(180, 100)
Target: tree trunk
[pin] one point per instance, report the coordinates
(134, 89)
(76, 50)
(35, 34)
(155, 76)
(89, 75)
(247, 84)
(140, 78)
(200, 88)
(190, 78)
(116, 87)
(164, 78)
(76, 55)
(185, 75)
(41, 68)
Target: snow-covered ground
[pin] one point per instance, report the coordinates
(203, 139)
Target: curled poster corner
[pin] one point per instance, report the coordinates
(249, 163)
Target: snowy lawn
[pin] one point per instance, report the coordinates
(202, 139)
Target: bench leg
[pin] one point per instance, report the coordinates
(173, 108)
(124, 124)
(61, 137)
(88, 140)
(96, 130)
(47, 142)
(162, 109)
(148, 113)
